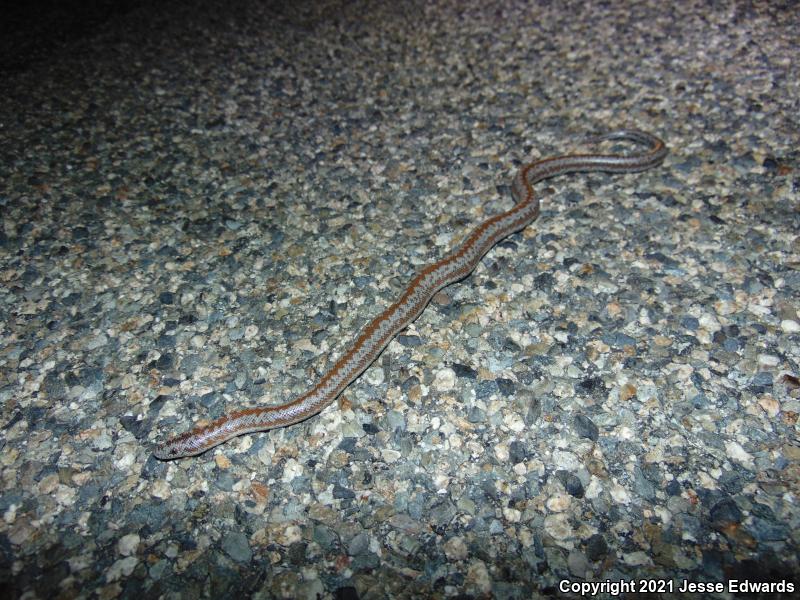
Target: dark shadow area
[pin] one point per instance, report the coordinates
(32, 32)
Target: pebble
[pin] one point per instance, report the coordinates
(445, 380)
(128, 544)
(735, 451)
(790, 326)
(557, 526)
(456, 549)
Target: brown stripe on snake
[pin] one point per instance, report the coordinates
(453, 267)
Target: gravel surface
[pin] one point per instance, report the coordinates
(201, 206)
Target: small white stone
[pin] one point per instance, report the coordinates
(442, 483)
(512, 515)
(501, 452)
(663, 514)
(710, 323)
(161, 489)
(455, 548)
(636, 559)
(305, 344)
(768, 360)
(514, 422)
(375, 375)
(594, 489)
(625, 433)
(291, 469)
(789, 326)
(707, 481)
(390, 456)
(11, 514)
(526, 537)
(128, 544)
(757, 309)
(620, 494)
(725, 307)
(558, 502)
(738, 454)
(557, 526)
(121, 568)
(444, 380)
(289, 536)
(65, 495)
(566, 460)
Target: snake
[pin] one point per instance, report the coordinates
(453, 267)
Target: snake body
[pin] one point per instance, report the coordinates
(456, 265)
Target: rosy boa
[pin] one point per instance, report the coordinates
(456, 265)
